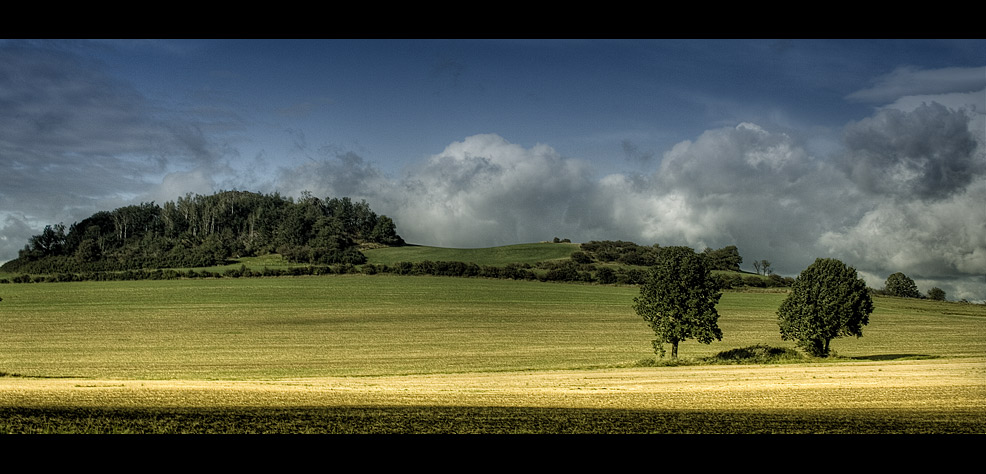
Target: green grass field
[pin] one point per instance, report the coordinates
(201, 348)
(494, 256)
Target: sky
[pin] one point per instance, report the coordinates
(869, 151)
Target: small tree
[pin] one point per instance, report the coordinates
(936, 294)
(827, 300)
(678, 300)
(899, 284)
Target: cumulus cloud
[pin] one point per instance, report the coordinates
(931, 239)
(486, 191)
(738, 185)
(743, 185)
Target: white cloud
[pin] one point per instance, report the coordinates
(487, 191)
(930, 239)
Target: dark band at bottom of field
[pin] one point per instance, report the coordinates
(479, 420)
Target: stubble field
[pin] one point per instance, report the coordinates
(389, 354)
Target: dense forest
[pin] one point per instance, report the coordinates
(199, 231)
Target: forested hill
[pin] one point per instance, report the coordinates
(197, 231)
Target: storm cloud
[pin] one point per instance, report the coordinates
(76, 140)
(927, 153)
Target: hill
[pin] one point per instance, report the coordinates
(202, 231)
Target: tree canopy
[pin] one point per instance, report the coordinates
(629, 253)
(901, 285)
(936, 294)
(678, 300)
(827, 300)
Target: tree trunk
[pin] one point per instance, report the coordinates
(674, 350)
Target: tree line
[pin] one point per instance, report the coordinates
(630, 253)
(602, 262)
(201, 231)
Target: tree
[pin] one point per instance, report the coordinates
(899, 284)
(726, 258)
(827, 300)
(936, 294)
(678, 300)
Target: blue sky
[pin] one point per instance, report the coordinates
(871, 151)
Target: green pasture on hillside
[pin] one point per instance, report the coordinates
(390, 325)
(493, 256)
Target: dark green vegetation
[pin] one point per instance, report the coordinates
(899, 284)
(629, 253)
(538, 261)
(756, 354)
(678, 300)
(828, 300)
(199, 231)
(478, 420)
(936, 294)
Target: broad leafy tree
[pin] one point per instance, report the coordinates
(899, 284)
(827, 300)
(678, 300)
(936, 294)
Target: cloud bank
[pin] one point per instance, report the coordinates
(905, 193)
(916, 209)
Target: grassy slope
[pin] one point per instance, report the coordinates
(379, 325)
(495, 256)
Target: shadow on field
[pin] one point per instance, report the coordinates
(477, 420)
(884, 357)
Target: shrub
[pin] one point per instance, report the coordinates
(755, 354)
